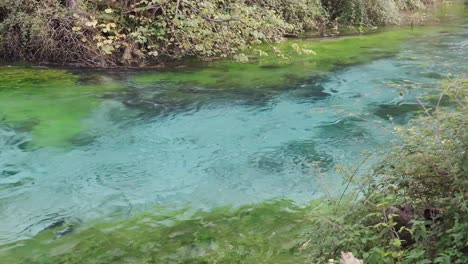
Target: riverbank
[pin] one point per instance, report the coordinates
(138, 33)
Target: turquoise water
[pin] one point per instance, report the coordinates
(161, 143)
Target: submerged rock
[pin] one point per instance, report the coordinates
(63, 226)
(67, 230)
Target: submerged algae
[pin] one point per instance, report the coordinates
(49, 103)
(271, 232)
(265, 73)
(264, 76)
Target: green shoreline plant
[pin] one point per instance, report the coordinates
(427, 169)
(107, 33)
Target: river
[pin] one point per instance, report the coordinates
(85, 144)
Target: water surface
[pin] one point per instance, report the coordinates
(85, 145)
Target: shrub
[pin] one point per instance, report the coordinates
(107, 33)
(301, 14)
(43, 31)
(369, 12)
(133, 32)
(428, 169)
(432, 163)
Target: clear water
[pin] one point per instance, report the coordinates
(141, 149)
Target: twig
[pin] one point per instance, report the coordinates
(423, 106)
(352, 177)
(177, 8)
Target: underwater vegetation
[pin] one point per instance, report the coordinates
(264, 76)
(271, 72)
(270, 232)
(51, 104)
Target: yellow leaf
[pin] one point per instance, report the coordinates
(91, 23)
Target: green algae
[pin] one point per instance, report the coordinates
(270, 232)
(270, 72)
(50, 104)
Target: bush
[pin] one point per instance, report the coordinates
(428, 169)
(133, 32)
(432, 164)
(301, 14)
(370, 12)
(107, 33)
(43, 31)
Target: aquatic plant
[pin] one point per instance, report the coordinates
(272, 71)
(264, 233)
(50, 104)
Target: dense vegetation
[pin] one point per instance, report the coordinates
(132, 32)
(427, 169)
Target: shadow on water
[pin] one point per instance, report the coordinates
(400, 114)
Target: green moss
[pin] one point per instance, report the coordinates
(270, 232)
(51, 104)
